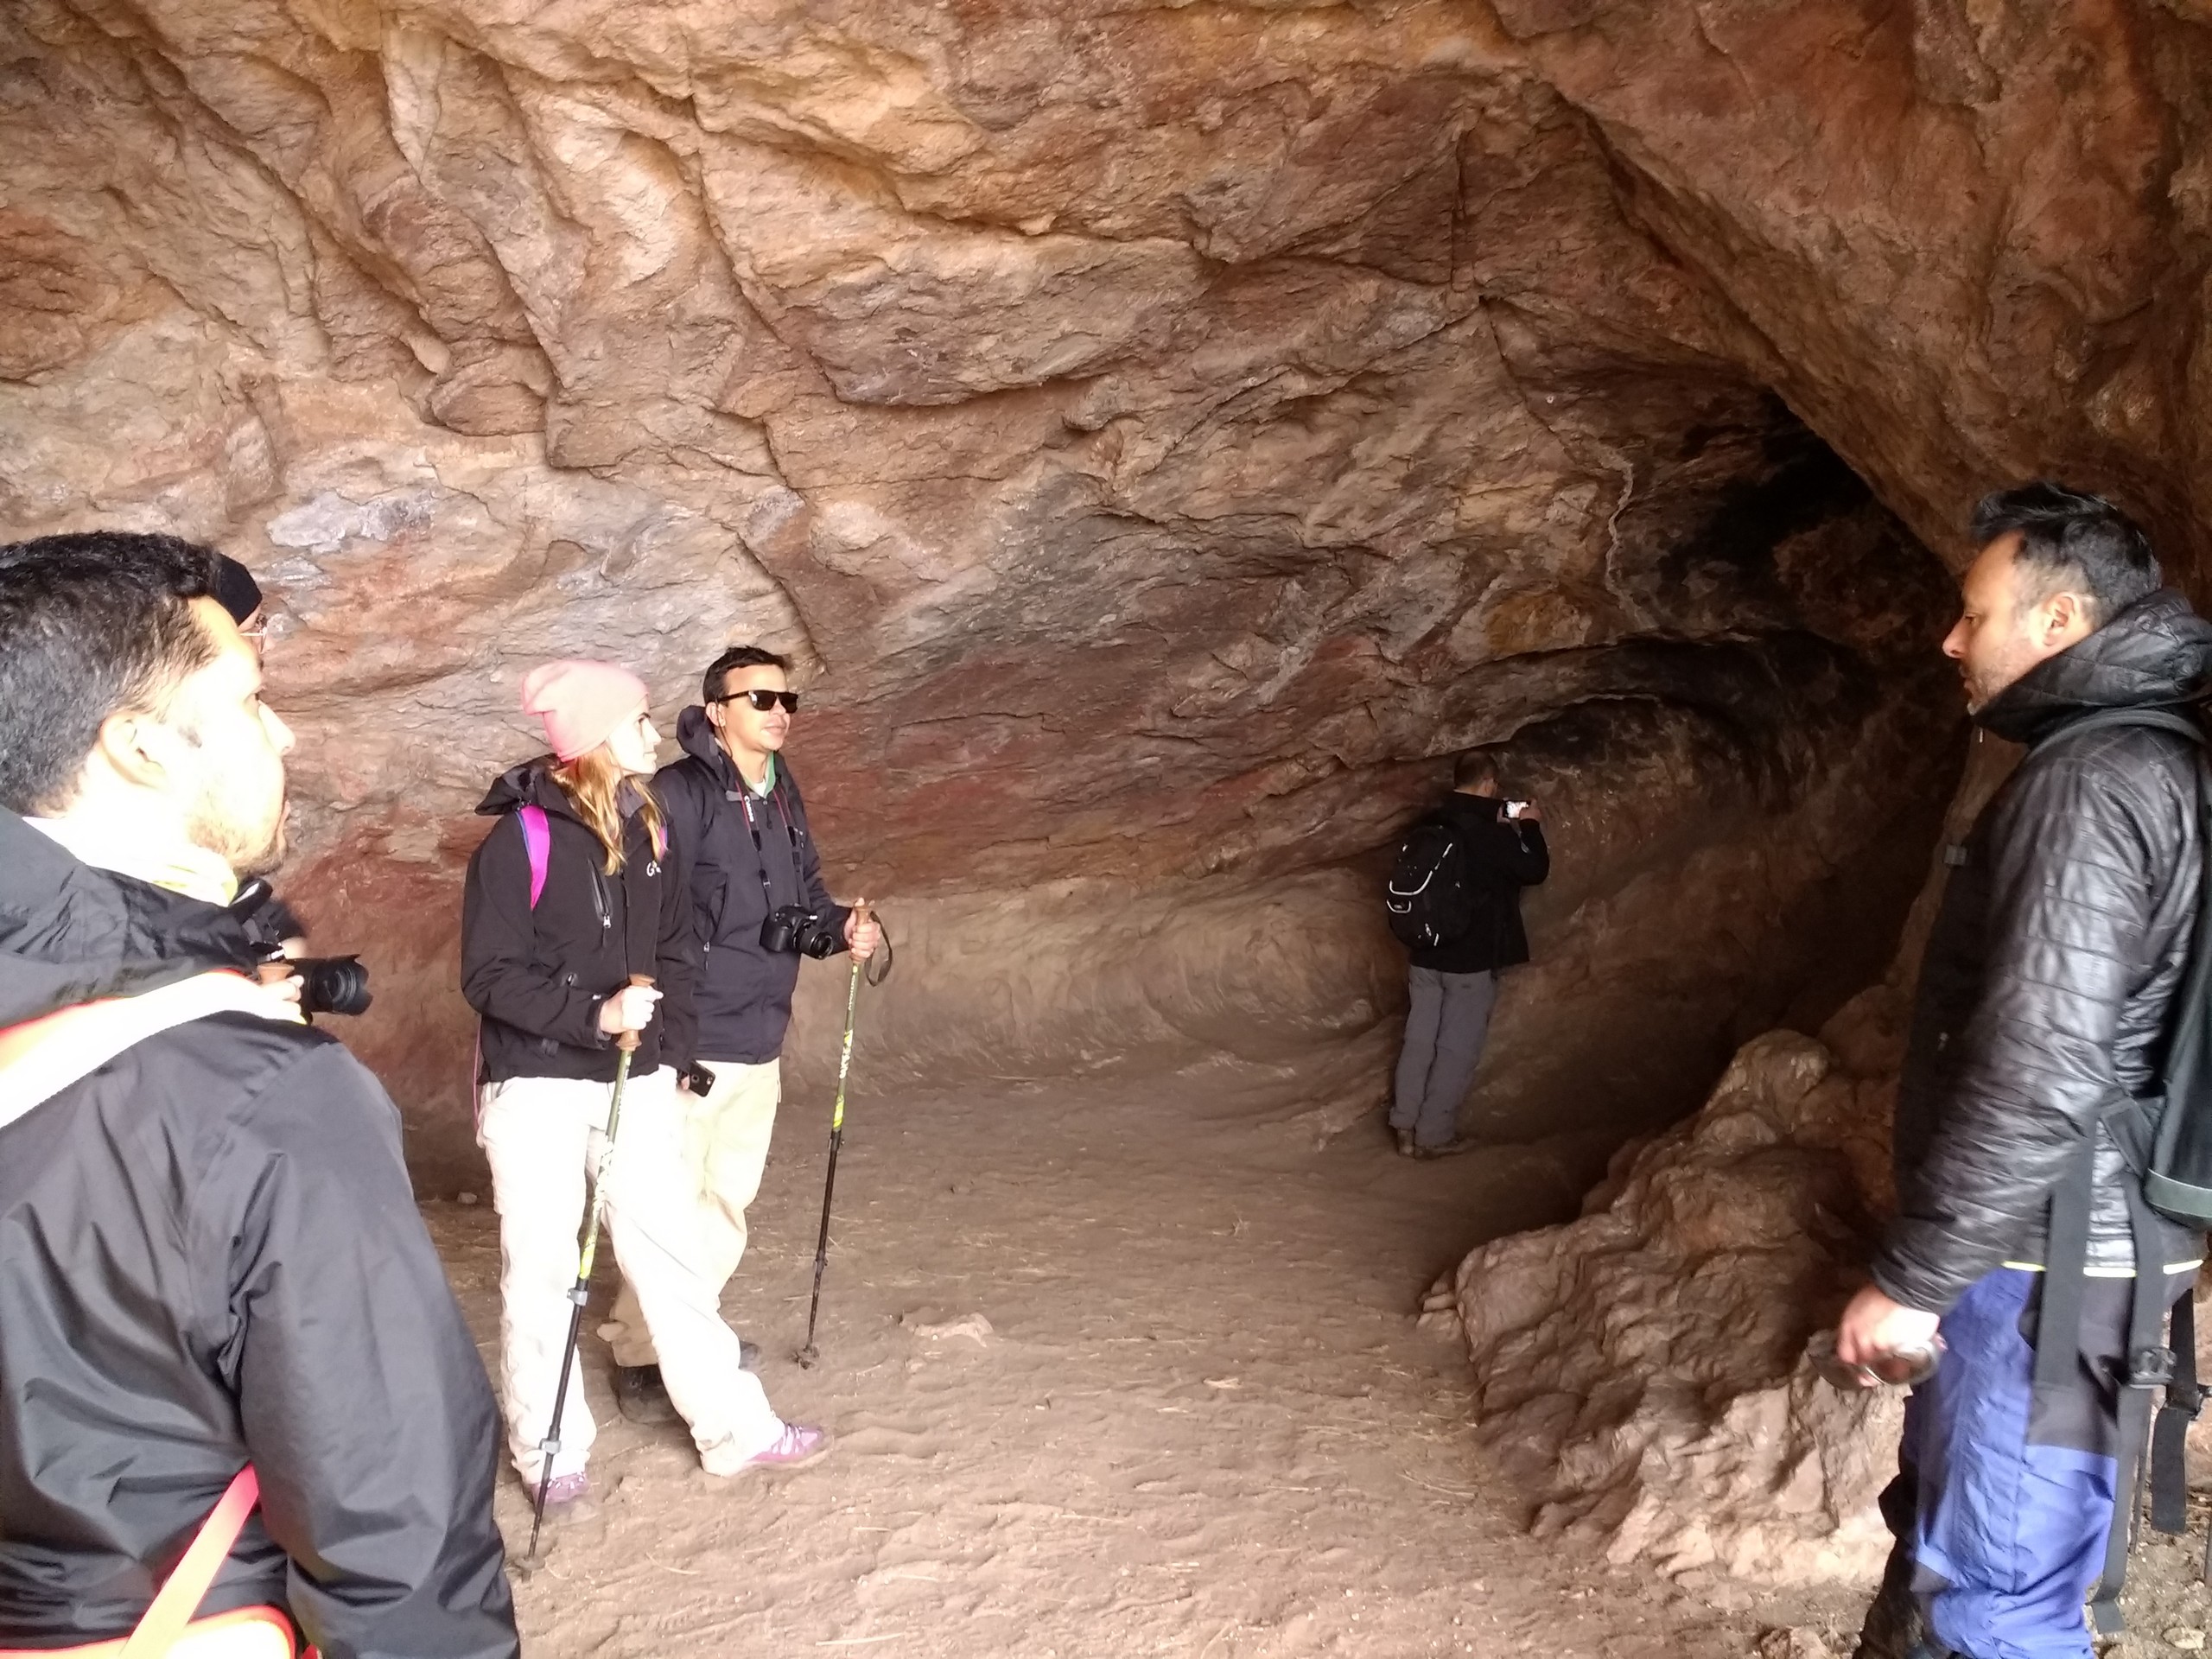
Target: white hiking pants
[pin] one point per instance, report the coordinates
(538, 1134)
(726, 1142)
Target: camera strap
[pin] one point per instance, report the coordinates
(745, 798)
(41, 1057)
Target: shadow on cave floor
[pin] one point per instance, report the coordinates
(1204, 1422)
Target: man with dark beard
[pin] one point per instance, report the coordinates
(2045, 1003)
(214, 1285)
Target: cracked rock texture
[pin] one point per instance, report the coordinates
(1165, 434)
(1641, 1371)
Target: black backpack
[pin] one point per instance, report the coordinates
(2167, 1143)
(1429, 900)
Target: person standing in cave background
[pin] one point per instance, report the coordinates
(739, 828)
(552, 941)
(1461, 868)
(209, 1255)
(2045, 1001)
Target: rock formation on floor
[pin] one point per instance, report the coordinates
(1164, 435)
(1641, 1371)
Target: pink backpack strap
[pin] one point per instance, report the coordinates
(537, 838)
(180, 1597)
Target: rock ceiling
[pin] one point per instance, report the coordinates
(1165, 433)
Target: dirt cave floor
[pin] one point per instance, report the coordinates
(1194, 1418)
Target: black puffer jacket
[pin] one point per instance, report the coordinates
(209, 1255)
(2050, 976)
(743, 854)
(540, 975)
(1503, 857)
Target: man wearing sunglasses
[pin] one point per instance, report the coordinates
(738, 826)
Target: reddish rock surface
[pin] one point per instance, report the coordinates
(1164, 435)
(1640, 1371)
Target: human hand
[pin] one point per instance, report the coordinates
(630, 1008)
(863, 933)
(1530, 813)
(1874, 1326)
(279, 981)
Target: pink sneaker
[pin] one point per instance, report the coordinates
(794, 1448)
(561, 1490)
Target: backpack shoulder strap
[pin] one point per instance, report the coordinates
(2164, 719)
(41, 1056)
(180, 1597)
(537, 841)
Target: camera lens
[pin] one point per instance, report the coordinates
(333, 985)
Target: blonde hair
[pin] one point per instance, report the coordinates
(593, 781)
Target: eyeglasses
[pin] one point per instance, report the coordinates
(762, 702)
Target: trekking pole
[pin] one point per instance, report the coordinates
(807, 1355)
(581, 1291)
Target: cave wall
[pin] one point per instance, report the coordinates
(1165, 435)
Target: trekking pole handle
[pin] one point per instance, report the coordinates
(627, 1042)
(877, 964)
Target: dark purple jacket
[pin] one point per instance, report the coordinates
(742, 855)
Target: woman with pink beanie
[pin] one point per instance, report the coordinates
(570, 895)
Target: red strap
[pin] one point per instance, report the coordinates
(537, 838)
(186, 1588)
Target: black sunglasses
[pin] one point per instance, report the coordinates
(762, 702)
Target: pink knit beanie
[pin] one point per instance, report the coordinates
(582, 702)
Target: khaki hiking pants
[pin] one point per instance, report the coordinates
(538, 1134)
(726, 1146)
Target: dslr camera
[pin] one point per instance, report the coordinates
(327, 984)
(796, 928)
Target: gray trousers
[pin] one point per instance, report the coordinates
(1445, 1029)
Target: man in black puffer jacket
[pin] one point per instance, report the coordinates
(210, 1255)
(738, 828)
(2045, 998)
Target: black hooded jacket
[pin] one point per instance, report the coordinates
(743, 854)
(210, 1255)
(2050, 977)
(540, 975)
(1503, 857)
